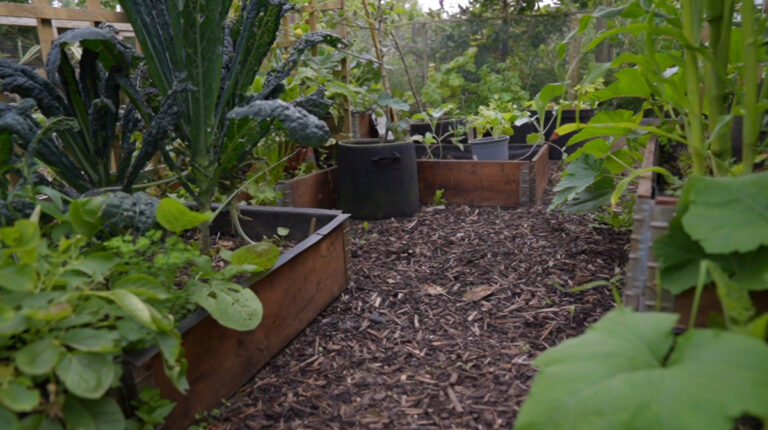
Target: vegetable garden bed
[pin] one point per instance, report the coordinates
(653, 213)
(444, 314)
(476, 183)
(303, 282)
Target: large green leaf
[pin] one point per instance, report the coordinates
(230, 304)
(629, 83)
(101, 414)
(91, 340)
(263, 254)
(8, 419)
(39, 357)
(580, 175)
(728, 214)
(134, 307)
(17, 277)
(19, 397)
(86, 375)
(617, 376)
(176, 217)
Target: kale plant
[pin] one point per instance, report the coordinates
(72, 120)
(220, 54)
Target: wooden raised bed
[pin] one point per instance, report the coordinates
(304, 281)
(316, 190)
(465, 182)
(651, 220)
(485, 183)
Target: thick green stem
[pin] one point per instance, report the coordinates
(750, 80)
(720, 14)
(695, 128)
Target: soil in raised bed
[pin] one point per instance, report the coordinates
(439, 326)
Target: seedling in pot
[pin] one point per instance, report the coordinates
(432, 117)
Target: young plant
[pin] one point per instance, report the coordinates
(220, 123)
(433, 117)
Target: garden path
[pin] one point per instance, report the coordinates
(440, 323)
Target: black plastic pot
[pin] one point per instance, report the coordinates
(490, 148)
(523, 152)
(377, 180)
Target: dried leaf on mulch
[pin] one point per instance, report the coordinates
(400, 348)
(478, 293)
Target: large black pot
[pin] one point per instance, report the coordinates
(377, 180)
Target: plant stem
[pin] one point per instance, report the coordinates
(750, 81)
(407, 71)
(720, 13)
(695, 129)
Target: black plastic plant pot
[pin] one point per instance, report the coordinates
(490, 148)
(523, 152)
(377, 180)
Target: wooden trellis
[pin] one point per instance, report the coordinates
(49, 20)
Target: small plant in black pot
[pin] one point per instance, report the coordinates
(496, 146)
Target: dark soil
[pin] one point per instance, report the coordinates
(440, 323)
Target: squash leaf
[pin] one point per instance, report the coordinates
(617, 376)
(728, 214)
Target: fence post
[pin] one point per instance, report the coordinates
(45, 31)
(95, 5)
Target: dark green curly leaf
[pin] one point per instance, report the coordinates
(272, 85)
(122, 212)
(25, 82)
(302, 127)
(315, 103)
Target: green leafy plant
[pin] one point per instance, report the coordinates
(630, 371)
(220, 122)
(489, 120)
(69, 310)
(438, 198)
(433, 117)
(71, 121)
(694, 87)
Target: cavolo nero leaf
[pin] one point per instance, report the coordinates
(728, 214)
(301, 126)
(615, 376)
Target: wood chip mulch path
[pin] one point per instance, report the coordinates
(439, 325)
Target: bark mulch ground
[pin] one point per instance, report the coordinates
(440, 323)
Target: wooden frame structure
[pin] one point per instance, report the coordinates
(49, 19)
